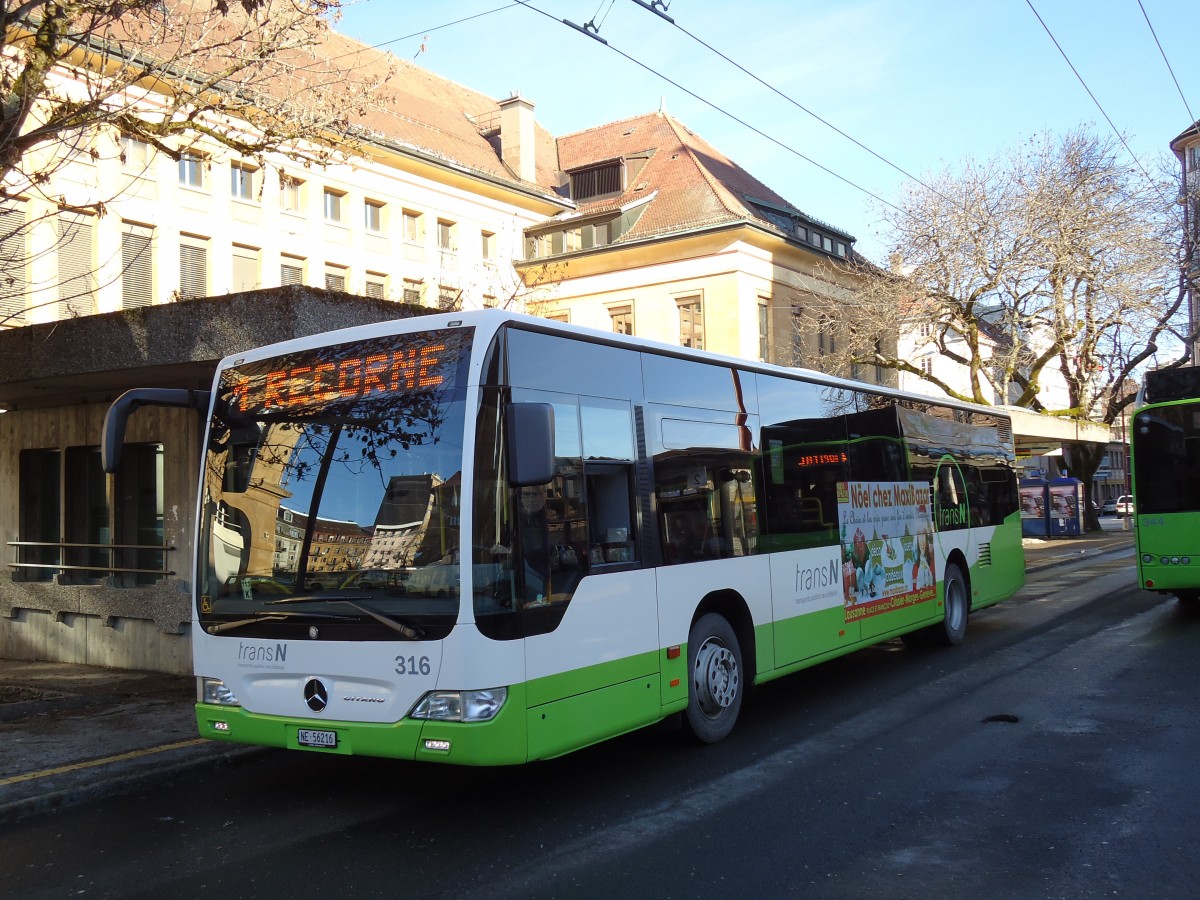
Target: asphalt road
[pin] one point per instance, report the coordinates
(1051, 755)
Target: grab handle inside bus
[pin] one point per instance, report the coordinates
(529, 431)
(123, 407)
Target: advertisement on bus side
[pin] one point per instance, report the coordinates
(887, 546)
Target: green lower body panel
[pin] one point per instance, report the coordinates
(501, 741)
(803, 637)
(574, 722)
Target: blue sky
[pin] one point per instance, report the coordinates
(923, 84)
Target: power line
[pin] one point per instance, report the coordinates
(791, 100)
(1137, 162)
(714, 106)
(1191, 118)
(427, 31)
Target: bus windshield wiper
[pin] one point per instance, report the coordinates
(253, 620)
(413, 634)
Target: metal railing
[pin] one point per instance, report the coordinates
(63, 550)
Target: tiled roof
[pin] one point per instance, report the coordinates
(695, 185)
(414, 108)
(434, 115)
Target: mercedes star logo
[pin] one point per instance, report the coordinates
(315, 695)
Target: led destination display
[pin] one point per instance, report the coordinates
(374, 370)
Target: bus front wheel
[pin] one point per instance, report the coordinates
(716, 685)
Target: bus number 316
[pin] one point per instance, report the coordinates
(411, 665)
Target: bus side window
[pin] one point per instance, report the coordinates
(608, 459)
(706, 509)
(610, 514)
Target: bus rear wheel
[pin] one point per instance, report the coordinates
(953, 627)
(716, 686)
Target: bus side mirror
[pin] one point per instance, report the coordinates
(529, 438)
(113, 430)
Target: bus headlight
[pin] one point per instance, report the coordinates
(215, 691)
(460, 706)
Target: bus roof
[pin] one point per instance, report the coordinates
(489, 321)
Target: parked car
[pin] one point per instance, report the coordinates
(1121, 506)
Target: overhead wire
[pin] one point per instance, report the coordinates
(1146, 16)
(795, 103)
(719, 109)
(1121, 137)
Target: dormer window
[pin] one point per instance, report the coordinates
(597, 181)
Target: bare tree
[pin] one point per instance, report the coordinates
(82, 78)
(1058, 262)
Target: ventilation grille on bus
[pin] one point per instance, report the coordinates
(985, 554)
(1004, 430)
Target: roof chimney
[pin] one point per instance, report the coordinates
(517, 136)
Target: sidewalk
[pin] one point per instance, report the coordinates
(71, 733)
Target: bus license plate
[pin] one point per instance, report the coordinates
(306, 737)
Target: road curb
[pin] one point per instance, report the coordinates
(149, 771)
(1083, 554)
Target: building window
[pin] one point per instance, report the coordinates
(560, 315)
(39, 499)
(14, 257)
(291, 270)
(826, 340)
(373, 216)
(572, 240)
(241, 181)
(375, 285)
(60, 488)
(193, 266)
(412, 227)
(446, 235)
(76, 265)
(622, 319)
(139, 511)
(335, 277)
(487, 242)
(927, 365)
(333, 205)
(490, 301)
(290, 189)
(245, 269)
(596, 181)
(191, 171)
(135, 154)
(691, 322)
(539, 245)
(764, 329)
(448, 297)
(412, 292)
(137, 274)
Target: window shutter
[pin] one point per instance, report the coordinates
(76, 283)
(137, 286)
(245, 269)
(13, 259)
(193, 268)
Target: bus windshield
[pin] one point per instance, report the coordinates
(331, 492)
(1167, 445)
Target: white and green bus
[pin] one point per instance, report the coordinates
(483, 538)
